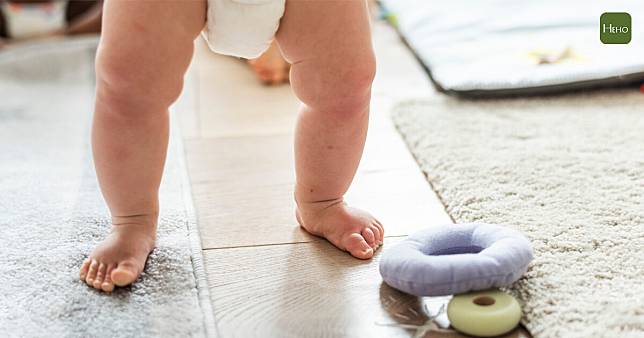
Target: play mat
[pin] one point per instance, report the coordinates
(504, 47)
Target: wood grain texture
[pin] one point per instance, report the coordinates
(243, 189)
(270, 157)
(311, 290)
(296, 290)
(232, 214)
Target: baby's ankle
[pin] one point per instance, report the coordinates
(310, 207)
(145, 222)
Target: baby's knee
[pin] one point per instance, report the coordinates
(342, 91)
(356, 83)
(128, 88)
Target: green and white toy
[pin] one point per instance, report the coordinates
(484, 313)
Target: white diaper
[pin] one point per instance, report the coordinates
(243, 28)
(26, 20)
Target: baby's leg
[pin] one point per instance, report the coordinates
(144, 51)
(328, 44)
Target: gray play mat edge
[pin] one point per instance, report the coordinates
(195, 239)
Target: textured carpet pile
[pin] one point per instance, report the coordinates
(52, 213)
(569, 173)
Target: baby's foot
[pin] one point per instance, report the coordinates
(347, 228)
(270, 67)
(119, 259)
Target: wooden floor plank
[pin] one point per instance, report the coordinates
(232, 214)
(311, 290)
(271, 157)
(300, 290)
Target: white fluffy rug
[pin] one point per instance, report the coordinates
(569, 173)
(52, 214)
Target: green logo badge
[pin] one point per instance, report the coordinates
(615, 28)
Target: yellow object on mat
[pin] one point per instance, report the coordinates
(484, 313)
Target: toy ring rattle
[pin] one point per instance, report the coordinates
(484, 313)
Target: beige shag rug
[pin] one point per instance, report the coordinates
(568, 172)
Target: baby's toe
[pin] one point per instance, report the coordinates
(91, 274)
(261, 72)
(124, 274)
(279, 76)
(264, 77)
(100, 276)
(370, 237)
(356, 245)
(84, 269)
(377, 234)
(108, 285)
(378, 225)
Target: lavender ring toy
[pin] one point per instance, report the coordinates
(456, 258)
